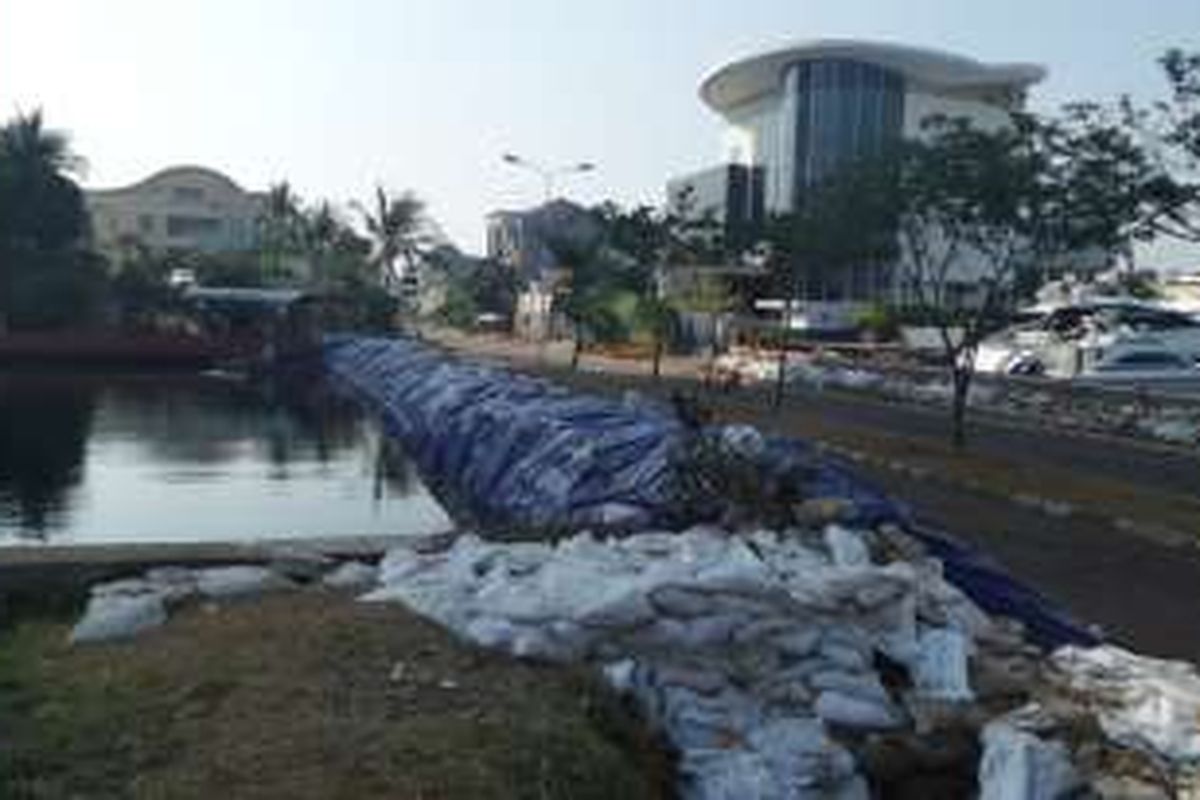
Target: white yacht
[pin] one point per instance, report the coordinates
(1141, 362)
(1062, 340)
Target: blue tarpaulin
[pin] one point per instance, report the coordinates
(521, 450)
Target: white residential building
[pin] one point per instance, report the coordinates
(178, 208)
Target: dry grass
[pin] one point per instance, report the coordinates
(306, 696)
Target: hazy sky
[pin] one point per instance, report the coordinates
(427, 94)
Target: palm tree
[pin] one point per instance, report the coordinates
(40, 205)
(280, 222)
(321, 230)
(397, 227)
(32, 151)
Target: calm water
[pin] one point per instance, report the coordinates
(170, 458)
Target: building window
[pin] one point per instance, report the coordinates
(188, 194)
(845, 110)
(145, 223)
(192, 226)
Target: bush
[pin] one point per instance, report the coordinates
(879, 322)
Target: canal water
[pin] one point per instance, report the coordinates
(100, 458)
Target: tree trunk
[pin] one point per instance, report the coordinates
(780, 377)
(658, 354)
(575, 349)
(962, 388)
(785, 330)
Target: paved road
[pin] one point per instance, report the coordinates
(1143, 594)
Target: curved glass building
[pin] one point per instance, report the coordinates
(800, 111)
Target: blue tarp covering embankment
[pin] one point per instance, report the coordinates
(516, 450)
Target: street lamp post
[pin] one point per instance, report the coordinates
(548, 174)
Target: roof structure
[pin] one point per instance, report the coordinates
(180, 170)
(745, 79)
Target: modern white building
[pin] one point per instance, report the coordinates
(797, 114)
(801, 111)
(178, 208)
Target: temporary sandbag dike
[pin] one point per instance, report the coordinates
(511, 447)
(521, 450)
(816, 662)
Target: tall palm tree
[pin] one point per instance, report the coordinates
(40, 204)
(321, 230)
(280, 224)
(33, 151)
(397, 227)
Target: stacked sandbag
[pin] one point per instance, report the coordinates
(747, 651)
(125, 608)
(816, 663)
(1104, 723)
(512, 447)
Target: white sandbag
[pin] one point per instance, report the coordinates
(1149, 704)
(116, 616)
(352, 575)
(851, 711)
(940, 671)
(847, 547)
(1017, 765)
(806, 761)
(240, 581)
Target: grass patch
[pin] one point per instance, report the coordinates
(307, 696)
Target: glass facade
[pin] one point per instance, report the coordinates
(843, 110)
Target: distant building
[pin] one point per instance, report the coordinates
(179, 208)
(729, 196)
(800, 112)
(530, 243)
(797, 114)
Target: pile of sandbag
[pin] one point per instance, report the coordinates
(122, 609)
(512, 447)
(782, 664)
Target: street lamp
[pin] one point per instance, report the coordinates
(548, 174)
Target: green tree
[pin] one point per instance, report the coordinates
(710, 295)
(985, 207)
(846, 221)
(396, 226)
(1170, 130)
(281, 229)
(47, 278)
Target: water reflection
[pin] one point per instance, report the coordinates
(44, 427)
(184, 457)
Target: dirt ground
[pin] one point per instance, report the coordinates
(306, 695)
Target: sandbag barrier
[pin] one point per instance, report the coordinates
(521, 450)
